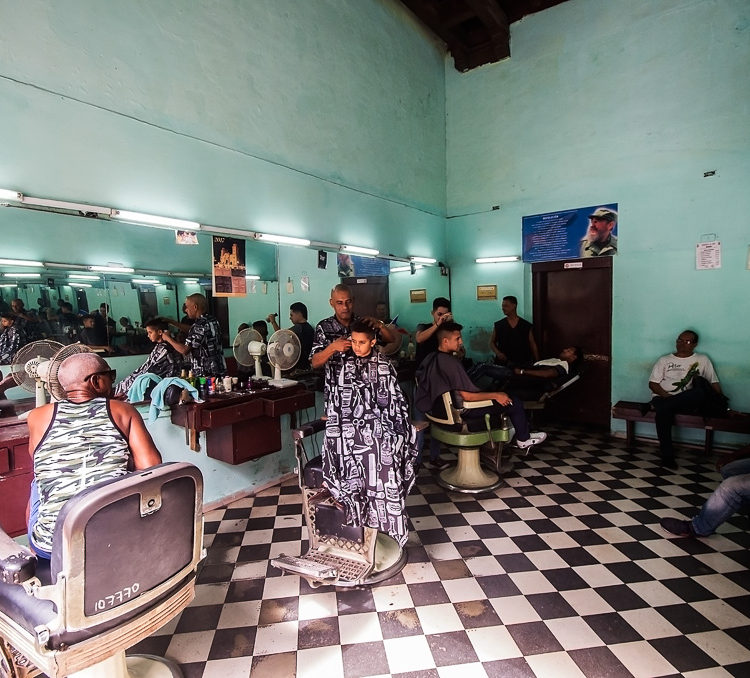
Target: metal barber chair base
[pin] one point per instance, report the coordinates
(467, 475)
(132, 666)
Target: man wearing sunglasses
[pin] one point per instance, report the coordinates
(81, 441)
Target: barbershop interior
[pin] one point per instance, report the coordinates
(418, 137)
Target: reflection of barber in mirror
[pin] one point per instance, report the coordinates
(332, 335)
(202, 344)
(12, 338)
(25, 321)
(163, 360)
(104, 325)
(91, 337)
(117, 442)
(303, 329)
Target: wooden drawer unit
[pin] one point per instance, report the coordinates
(16, 473)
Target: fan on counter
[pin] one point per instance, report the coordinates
(25, 366)
(248, 347)
(48, 371)
(284, 350)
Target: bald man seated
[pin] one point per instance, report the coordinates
(79, 442)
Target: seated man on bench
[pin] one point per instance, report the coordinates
(442, 371)
(369, 451)
(672, 383)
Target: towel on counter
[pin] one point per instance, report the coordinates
(157, 395)
(140, 385)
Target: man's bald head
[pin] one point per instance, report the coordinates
(75, 369)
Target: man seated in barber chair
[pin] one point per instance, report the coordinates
(79, 442)
(441, 372)
(369, 451)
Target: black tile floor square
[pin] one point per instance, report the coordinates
(562, 571)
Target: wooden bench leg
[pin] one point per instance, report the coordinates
(630, 434)
(709, 441)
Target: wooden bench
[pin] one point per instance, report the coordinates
(734, 422)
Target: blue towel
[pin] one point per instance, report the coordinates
(157, 395)
(137, 390)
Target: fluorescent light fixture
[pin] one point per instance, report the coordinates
(20, 262)
(7, 194)
(153, 220)
(65, 205)
(282, 239)
(83, 276)
(22, 275)
(190, 280)
(80, 284)
(146, 281)
(423, 260)
(252, 277)
(359, 250)
(112, 269)
(497, 260)
(8, 285)
(401, 269)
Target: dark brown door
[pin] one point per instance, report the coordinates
(573, 307)
(368, 292)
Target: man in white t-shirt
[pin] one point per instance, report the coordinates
(671, 382)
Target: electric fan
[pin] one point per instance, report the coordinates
(25, 366)
(247, 347)
(283, 351)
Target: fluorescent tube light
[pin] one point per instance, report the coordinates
(359, 250)
(8, 285)
(146, 281)
(252, 277)
(83, 276)
(65, 205)
(22, 275)
(7, 194)
(112, 269)
(423, 260)
(282, 239)
(20, 262)
(190, 280)
(153, 220)
(497, 260)
(400, 269)
(79, 284)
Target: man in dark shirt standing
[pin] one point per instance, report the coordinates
(203, 342)
(426, 335)
(303, 329)
(512, 339)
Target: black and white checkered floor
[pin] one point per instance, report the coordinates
(562, 572)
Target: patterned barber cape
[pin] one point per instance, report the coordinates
(206, 354)
(369, 450)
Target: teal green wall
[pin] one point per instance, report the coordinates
(627, 102)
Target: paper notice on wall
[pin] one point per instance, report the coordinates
(305, 283)
(708, 255)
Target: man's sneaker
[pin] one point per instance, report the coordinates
(534, 439)
(438, 464)
(682, 528)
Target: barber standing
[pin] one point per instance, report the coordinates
(202, 345)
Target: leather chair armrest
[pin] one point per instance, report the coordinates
(17, 562)
(477, 403)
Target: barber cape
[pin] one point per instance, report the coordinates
(369, 451)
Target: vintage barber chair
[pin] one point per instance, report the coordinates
(123, 564)
(468, 475)
(338, 554)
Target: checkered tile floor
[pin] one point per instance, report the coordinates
(562, 572)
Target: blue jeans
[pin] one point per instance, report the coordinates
(34, 502)
(726, 499)
(434, 444)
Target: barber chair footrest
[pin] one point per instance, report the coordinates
(467, 475)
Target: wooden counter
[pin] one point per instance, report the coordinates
(16, 467)
(241, 426)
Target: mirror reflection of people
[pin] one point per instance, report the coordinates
(91, 337)
(202, 344)
(11, 338)
(303, 329)
(369, 451)
(599, 240)
(80, 441)
(104, 325)
(163, 360)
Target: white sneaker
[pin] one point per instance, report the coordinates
(534, 439)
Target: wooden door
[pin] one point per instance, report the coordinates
(368, 292)
(573, 307)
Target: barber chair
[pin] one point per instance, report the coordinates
(338, 554)
(124, 560)
(467, 475)
(531, 406)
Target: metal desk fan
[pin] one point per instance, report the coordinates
(248, 347)
(284, 350)
(25, 366)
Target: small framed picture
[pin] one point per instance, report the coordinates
(486, 291)
(418, 296)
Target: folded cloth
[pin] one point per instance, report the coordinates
(141, 384)
(157, 395)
